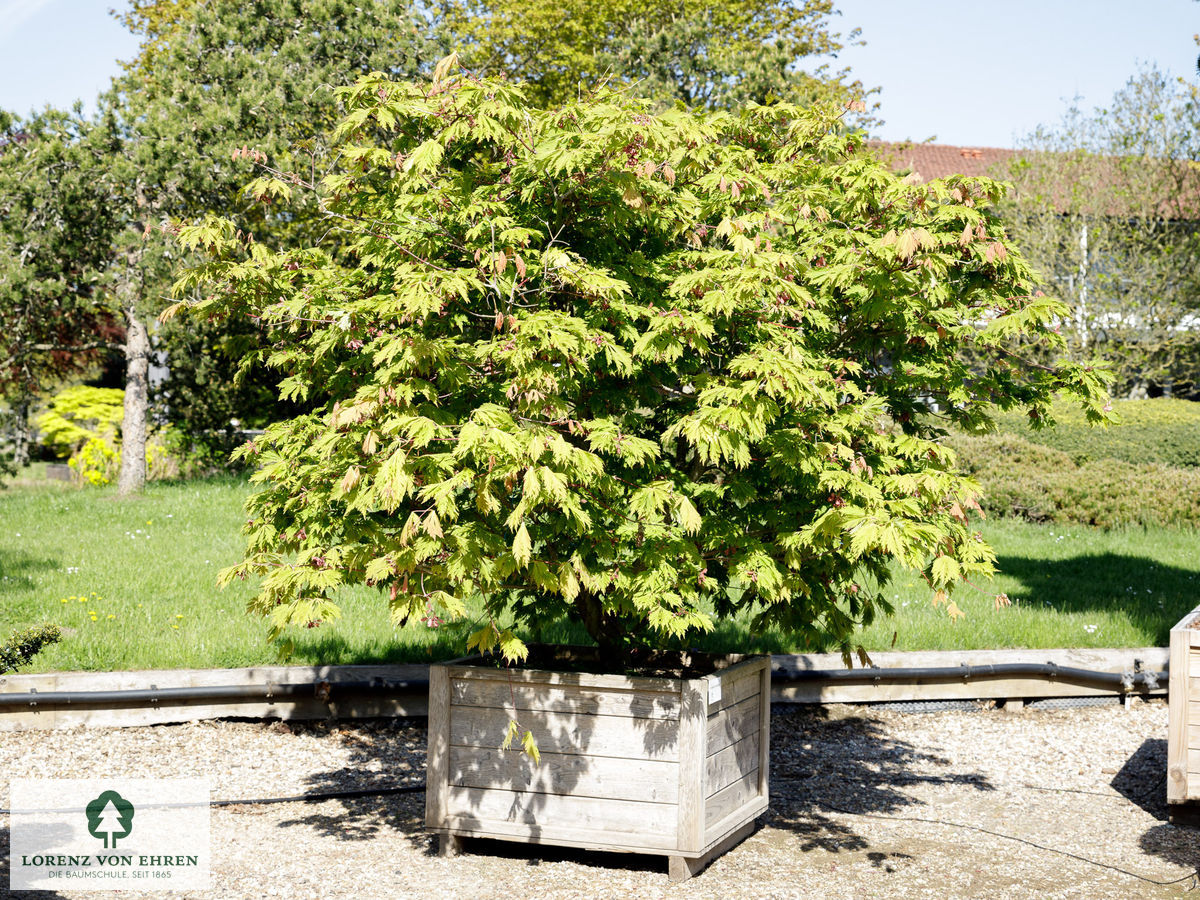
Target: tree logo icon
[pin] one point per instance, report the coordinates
(110, 816)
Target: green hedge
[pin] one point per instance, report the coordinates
(1041, 484)
(22, 646)
(1162, 430)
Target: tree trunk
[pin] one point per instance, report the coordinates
(22, 434)
(132, 477)
(604, 627)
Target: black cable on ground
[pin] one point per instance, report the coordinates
(1193, 877)
(330, 795)
(298, 798)
(420, 788)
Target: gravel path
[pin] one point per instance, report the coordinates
(850, 788)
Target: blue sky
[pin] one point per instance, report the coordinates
(967, 72)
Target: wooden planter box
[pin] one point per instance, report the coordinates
(675, 766)
(1183, 734)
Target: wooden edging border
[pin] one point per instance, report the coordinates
(327, 701)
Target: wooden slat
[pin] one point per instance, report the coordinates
(1193, 762)
(437, 758)
(1180, 711)
(1193, 636)
(1002, 688)
(693, 729)
(413, 703)
(577, 701)
(744, 667)
(736, 687)
(732, 724)
(1193, 740)
(1100, 660)
(1194, 662)
(764, 735)
(568, 679)
(563, 835)
(726, 802)
(747, 812)
(620, 736)
(500, 808)
(558, 773)
(731, 764)
(340, 703)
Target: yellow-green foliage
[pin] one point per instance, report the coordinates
(82, 423)
(1031, 481)
(98, 461)
(1162, 430)
(624, 368)
(79, 414)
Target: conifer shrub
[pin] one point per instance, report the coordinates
(635, 369)
(1160, 430)
(1021, 479)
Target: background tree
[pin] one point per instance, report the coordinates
(57, 227)
(634, 369)
(706, 53)
(212, 77)
(1107, 207)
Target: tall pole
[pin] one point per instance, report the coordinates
(1081, 311)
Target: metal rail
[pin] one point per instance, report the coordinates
(331, 691)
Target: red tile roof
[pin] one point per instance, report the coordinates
(939, 160)
(1179, 188)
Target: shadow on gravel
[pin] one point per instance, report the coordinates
(821, 757)
(828, 759)
(1143, 779)
(384, 753)
(535, 854)
(4, 874)
(1178, 844)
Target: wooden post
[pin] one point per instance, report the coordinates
(764, 735)
(693, 722)
(437, 760)
(1177, 729)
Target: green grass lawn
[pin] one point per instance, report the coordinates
(132, 585)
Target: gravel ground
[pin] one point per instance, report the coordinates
(861, 806)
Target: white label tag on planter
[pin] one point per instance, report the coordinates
(714, 691)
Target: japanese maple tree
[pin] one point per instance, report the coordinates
(642, 370)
